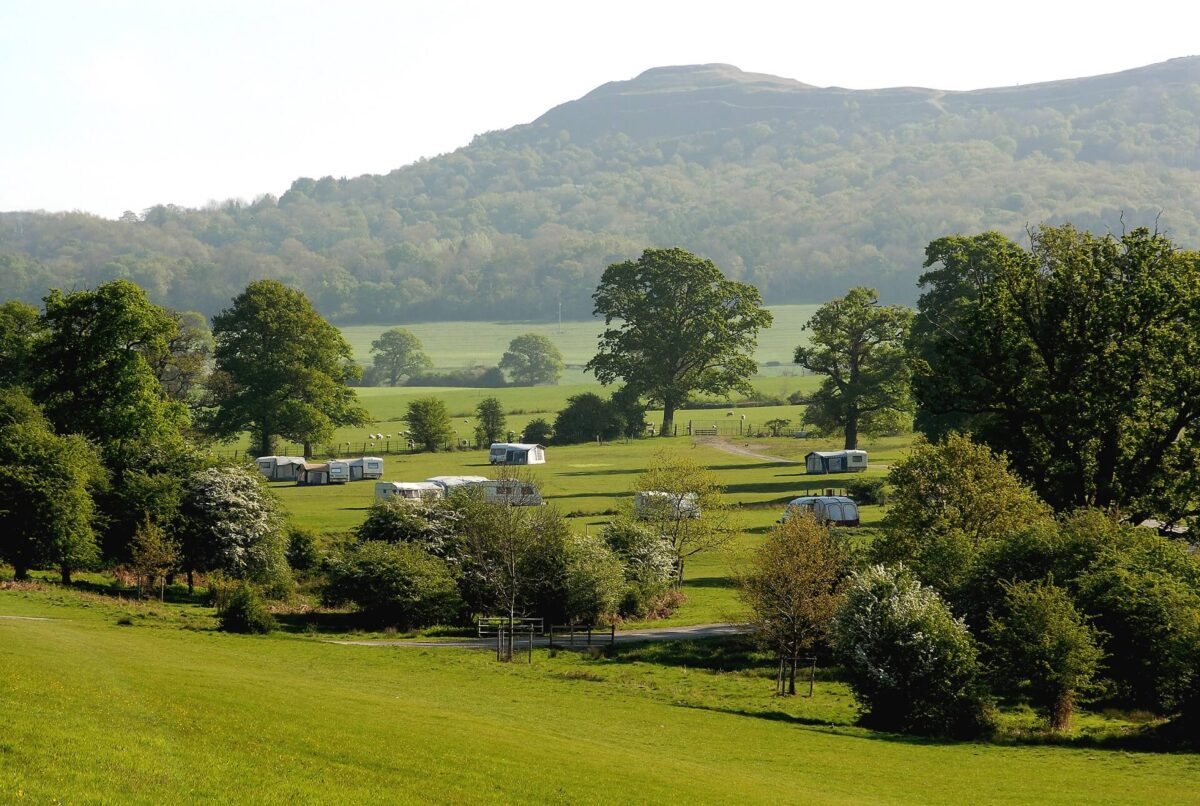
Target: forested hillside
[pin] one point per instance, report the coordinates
(800, 190)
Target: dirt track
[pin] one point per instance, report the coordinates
(722, 444)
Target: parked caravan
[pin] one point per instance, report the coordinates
(836, 461)
(649, 503)
(312, 473)
(339, 472)
(408, 490)
(516, 453)
(448, 483)
(366, 467)
(837, 510)
(279, 468)
(512, 492)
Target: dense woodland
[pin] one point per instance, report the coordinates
(801, 191)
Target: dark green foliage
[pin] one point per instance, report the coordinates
(674, 325)
(532, 359)
(472, 377)
(586, 418)
(1039, 642)
(398, 354)
(649, 562)
(538, 432)
(594, 580)
(302, 552)
(912, 666)
(627, 404)
(394, 584)
(1079, 358)
(866, 491)
(801, 191)
(490, 416)
(244, 611)
(429, 423)
(281, 370)
(20, 328)
(858, 346)
(46, 485)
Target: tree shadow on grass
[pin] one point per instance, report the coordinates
(710, 582)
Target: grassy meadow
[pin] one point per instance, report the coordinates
(108, 701)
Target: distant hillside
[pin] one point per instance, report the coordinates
(801, 190)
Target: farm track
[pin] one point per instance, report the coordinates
(722, 444)
(694, 632)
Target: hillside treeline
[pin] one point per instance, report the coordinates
(802, 205)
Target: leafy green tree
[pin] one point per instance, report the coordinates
(153, 557)
(627, 404)
(229, 522)
(792, 592)
(431, 524)
(1079, 358)
(46, 483)
(20, 327)
(399, 354)
(532, 359)
(490, 415)
(184, 366)
(538, 432)
(1041, 641)
(429, 423)
(683, 328)
(948, 502)
(649, 565)
(858, 345)
(281, 370)
(95, 376)
(777, 426)
(912, 666)
(587, 417)
(689, 488)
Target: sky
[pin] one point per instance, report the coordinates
(114, 106)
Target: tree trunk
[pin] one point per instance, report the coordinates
(264, 442)
(792, 678)
(779, 678)
(851, 428)
(668, 418)
(1060, 715)
(308, 451)
(191, 582)
(65, 572)
(679, 576)
(20, 573)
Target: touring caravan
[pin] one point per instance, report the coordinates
(448, 483)
(339, 472)
(512, 492)
(836, 462)
(279, 468)
(837, 510)
(652, 503)
(408, 490)
(366, 467)
(516, 453)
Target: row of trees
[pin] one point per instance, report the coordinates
(976, 589)
(530, 360)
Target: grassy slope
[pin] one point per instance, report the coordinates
(98, 712)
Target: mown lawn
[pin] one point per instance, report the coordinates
(165, 710)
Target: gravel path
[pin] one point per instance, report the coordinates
(690, 633)
(722, 444)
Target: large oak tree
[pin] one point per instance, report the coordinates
(281, 370)
(1079, 357)
(674, 325)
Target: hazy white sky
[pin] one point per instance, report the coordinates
(109, 106)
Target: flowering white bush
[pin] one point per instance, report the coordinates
(912, 665)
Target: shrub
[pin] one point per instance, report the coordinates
(394, 584)
(595, 580)
(586, 417)
(538, 432)
(302, 553)
(1041, 643)
(243, 611)
(866, 491)
(912, 665)
(431, 524)
(649, 566)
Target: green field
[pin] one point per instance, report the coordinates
(167, 710)
(467, 344)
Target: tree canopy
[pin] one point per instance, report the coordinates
(1079, 357)
(281, 370)
(858, 345)
(399, 354)
(532, 359)
(674, 325)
